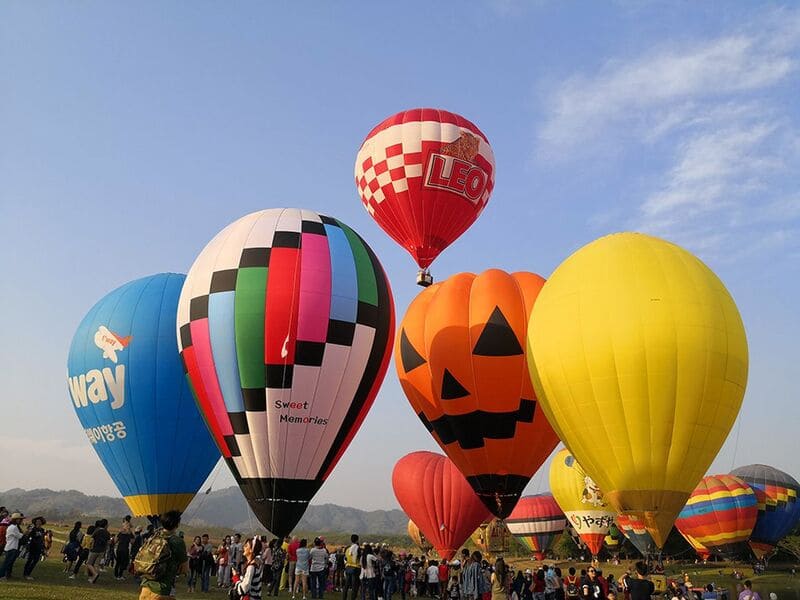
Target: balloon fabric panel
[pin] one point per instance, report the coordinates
(461, 363)
(581, 500)
(720, 514)
(778, 507)
(301, 318)
(640, 333)
(139, 413)
(435, 495)
(425, 175)
(636, 531)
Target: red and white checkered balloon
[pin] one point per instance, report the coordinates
(425, 175)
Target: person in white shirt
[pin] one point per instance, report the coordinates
(368, 562)
(433, 578)
(13, 536)
(319, 568)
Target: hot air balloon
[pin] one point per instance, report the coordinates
(581, 500)
(425, 175)
(720, 514)
(432, 491)
(418, 537)
(128, 389)
(636, 531)
(460, 359)
(492, 537)
(778, 507)
(629, 336)
(703, 552)
(535, 522)
(285, 326)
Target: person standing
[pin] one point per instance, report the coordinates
(747, 593)
(318, 569)
(195, 563)
(368, 562)
(13, 537)
(500, 580)
(471, 577)
(301, 566)
(432, 573)
(123, 549)
(161, 586)
(207, 561)
(291, 557)
(250, 583)
(35, 546)
(237, 557)
(278, 563)
(223, 565)
(641, 588)
(352, 569)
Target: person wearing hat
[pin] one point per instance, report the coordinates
(35, 546)
(13, 536)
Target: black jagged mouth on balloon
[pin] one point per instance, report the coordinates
(506, 494)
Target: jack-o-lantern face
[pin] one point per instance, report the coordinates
(460, 357)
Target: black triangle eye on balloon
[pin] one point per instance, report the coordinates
(410, 358)
(497, 337)
(451, 388)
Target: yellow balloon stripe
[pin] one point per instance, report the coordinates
(156, 504)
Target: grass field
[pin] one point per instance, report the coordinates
(51, 582)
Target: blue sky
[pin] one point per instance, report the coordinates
(130, 134)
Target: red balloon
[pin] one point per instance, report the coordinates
(425, 175)
(536, 521)
(436, 496)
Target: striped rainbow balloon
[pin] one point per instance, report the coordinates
(720, 514)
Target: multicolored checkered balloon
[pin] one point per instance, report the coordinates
(285, 326)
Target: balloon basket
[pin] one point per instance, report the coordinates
(424, 278)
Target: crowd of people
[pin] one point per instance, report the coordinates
(257, 567)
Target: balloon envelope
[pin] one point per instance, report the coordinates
(536, 521)
(425, 175)
(720, 514)
(492, 537)
(285, 326)
(629, 336)
(581, 500)
(129, 391)
(432, 491)
(418, 537)
(778, 507)
(460, 359)
(636, 531)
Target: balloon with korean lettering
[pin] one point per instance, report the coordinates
(461, 363)
(631, 336)
(778, 506)
(581, 500)
(719, 515)
(435, 495)
(425, 175)
(285, 325)
(130, 394)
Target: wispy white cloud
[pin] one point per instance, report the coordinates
(709, 107)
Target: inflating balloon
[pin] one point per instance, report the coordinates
(425, 175)
(535, 522)
(719, 515)
(630, 336)
(581, 500)
(285, 327)
(418, 537)
(492, 537)
(435, 495)
(778, 506)
(128, 389)
(636, 531)
(703, 552)
(460, 359)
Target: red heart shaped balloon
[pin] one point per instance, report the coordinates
(436, 496)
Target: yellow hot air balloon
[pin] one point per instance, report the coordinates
(492, 537)
(418, 537)
(581, 500)
(639, 359)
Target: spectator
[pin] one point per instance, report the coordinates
(194, 553)
(352, 570)
(86, 548)
(250, 584)
(318, 568)
(123, 549)
(301, 568)
(748, 593)
(640, 587)
(100, 539)
(161, 586)
(36, 544)
(11, 548)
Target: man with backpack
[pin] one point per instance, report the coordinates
(572, 588)
(161, 559)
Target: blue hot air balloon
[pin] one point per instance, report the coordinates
(127, 385)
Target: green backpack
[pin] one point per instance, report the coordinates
(152, 558)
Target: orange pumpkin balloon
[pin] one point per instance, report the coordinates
(460, 357)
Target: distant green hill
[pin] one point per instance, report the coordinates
(225, 508)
